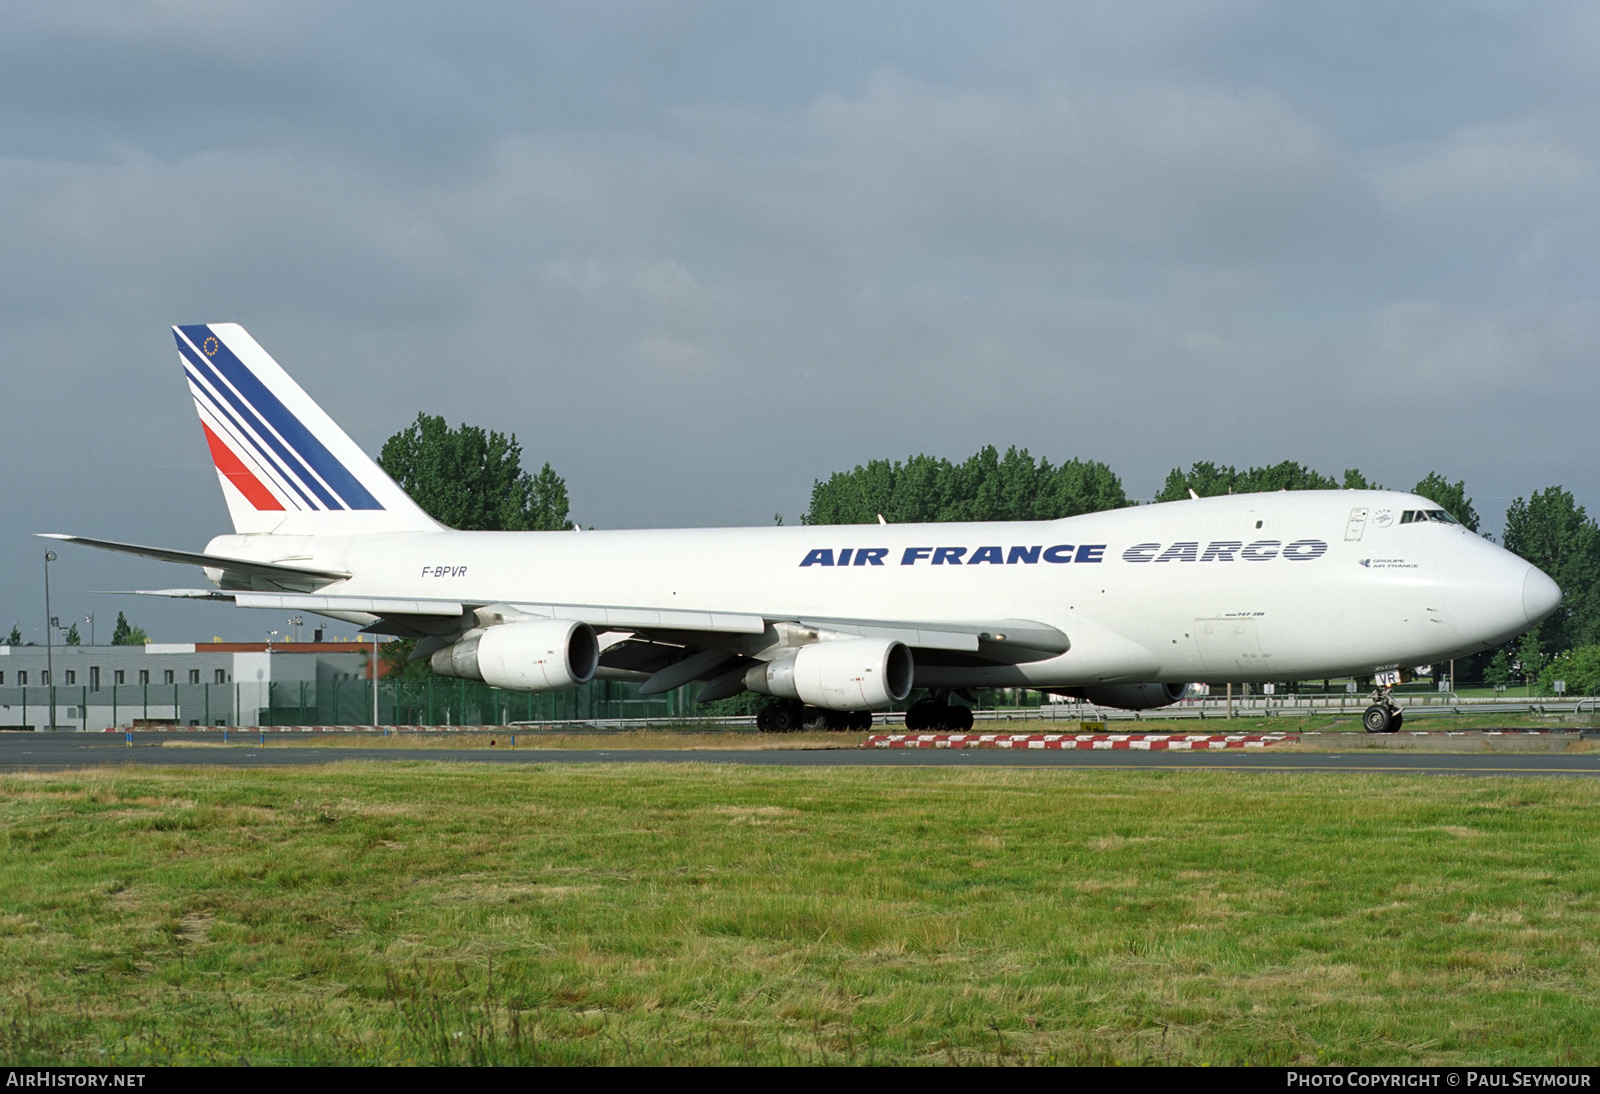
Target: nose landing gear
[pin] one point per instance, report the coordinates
(1384, 715)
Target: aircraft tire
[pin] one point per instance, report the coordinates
(840, 721)
(923, 715)
(815, 718)
(1380, 719)
(779, 717)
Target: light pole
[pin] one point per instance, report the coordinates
(49, 639)
(89, 619)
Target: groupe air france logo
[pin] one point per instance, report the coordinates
(1262, 550)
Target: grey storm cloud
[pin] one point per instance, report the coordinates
(699, 255)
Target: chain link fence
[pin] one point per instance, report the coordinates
(429, 702)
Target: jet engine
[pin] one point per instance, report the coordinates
(531, 655)
(841, 674)
(1134, 696)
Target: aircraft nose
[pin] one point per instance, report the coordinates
(1540, 595)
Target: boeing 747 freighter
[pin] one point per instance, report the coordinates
(1125, 608)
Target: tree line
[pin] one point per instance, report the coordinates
(124, 634)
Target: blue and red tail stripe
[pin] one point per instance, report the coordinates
(234, 470)
(215, 415)
(257, 419)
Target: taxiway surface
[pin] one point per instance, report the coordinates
(64, 751)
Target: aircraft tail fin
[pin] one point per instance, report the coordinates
(285, 466)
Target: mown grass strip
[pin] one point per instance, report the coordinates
(708, 914)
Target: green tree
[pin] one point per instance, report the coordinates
(1551, 530)
(473, 480)
(124, 634)
(1451, 498)
(1530, 658)
(16, 636)
(1579, 667)
(73, 638)
(986, 486)
(1211, 480)
(1498, 672)
(397, 663)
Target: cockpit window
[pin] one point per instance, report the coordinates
(1411, 516)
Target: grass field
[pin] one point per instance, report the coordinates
(433, 913)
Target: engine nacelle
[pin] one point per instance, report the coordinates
(842, 674)
(532, 655)
(1134, 696)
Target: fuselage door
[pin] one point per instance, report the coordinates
(1357, 525)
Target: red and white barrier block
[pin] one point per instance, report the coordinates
(1141, 742)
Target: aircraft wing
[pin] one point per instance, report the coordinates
(1002, 640)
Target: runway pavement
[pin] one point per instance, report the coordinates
(65, 751)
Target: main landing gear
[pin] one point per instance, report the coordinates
(1384, 715)
(938, 713)
(788, 715)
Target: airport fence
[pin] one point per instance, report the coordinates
(444, 702)
(432, 702)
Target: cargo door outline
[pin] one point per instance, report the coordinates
(1229, 644)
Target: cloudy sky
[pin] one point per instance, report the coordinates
(698, 255)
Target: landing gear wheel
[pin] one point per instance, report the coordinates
(931, 714)
(923, 715)
(778, 717)
(813, 719)
(1381, 719)
(844, 721)
(1399, 717)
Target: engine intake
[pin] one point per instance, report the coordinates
(533, 655)
(842, 674)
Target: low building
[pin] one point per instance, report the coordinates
(98, 688)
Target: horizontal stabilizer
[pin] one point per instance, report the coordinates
(196, 558)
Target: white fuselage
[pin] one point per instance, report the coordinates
(1249, 587)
